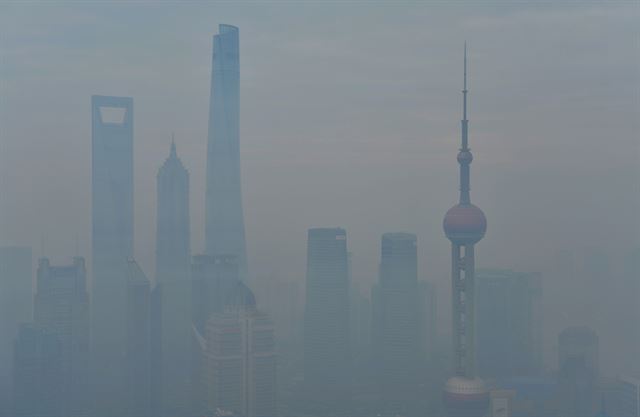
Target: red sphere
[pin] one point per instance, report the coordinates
(465, 224)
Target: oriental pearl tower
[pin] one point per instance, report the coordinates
(465, 395)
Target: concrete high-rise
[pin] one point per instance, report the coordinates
(173, 283)
(396, 319)
(327, 359)
(509, 322)
(578, 369)
(16, 306)
(213, 279)
(224, 233)
(112, 244)
(62, 307)
(465, 225)
(240, 359)
(138, 342)
(38, 383)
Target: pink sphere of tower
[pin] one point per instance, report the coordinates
(465, 224)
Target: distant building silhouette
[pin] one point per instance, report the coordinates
(396, 320)
(62, 307)
(428, 323)
(327, 361)
(174, 287)
(112, 245)
(508, 313)
(578, 369)
(240, 362)
(16, 306)
(138, 353)
(224, 233)
(213, 279)
(38, 381)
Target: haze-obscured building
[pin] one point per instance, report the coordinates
(240, 358)
(38, 381)
(61, 305)
(224, 228)
(138, 352)
(396, 320)
(16, 306)
(509, 322)
(578, 371)
(327, 357)
(212, 278)
(112, 246)
(174, 289)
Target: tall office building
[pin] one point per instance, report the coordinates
(396, 319)
(138, 351)
(38, 383)
(465, 225)
(62, 307)
(112, 244)
(224, 232)
(213, 279)
(327, 375)
(173, 256)
(240, 359)
(578, 369)
(16, 306)
(427, 304)
(624, 400)
(509, 322)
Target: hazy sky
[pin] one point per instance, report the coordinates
(349, 117)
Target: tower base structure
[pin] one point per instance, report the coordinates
(466, 397)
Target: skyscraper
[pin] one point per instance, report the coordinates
(16, 306)
(326, 331)
(62, 307)
(174, 286)
(578, 368)
(112, 244)
(138, 344)
(224, 232)
(464, 225)
(509, 323)
(38, 383)
(240, 374)
(213, 278)
(396, 321)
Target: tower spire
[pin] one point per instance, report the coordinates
(173, 152)
(464, 90)
(464, 156)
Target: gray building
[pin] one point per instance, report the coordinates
(327, 359)
(240, 358)
(38, 382)
(224, 233)
(509, 323)
(112, 244)
(138, 342)
(625, 399)
(62, 307)
(213, 278)
(173, 279)
(428, 306)
(396, 320)
(578, 370)
(16, 306)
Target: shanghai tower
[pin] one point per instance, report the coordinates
(224, 233)
(464, 225)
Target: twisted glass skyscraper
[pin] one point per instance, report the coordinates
(224, 232)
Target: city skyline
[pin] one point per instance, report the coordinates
(356, 145)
